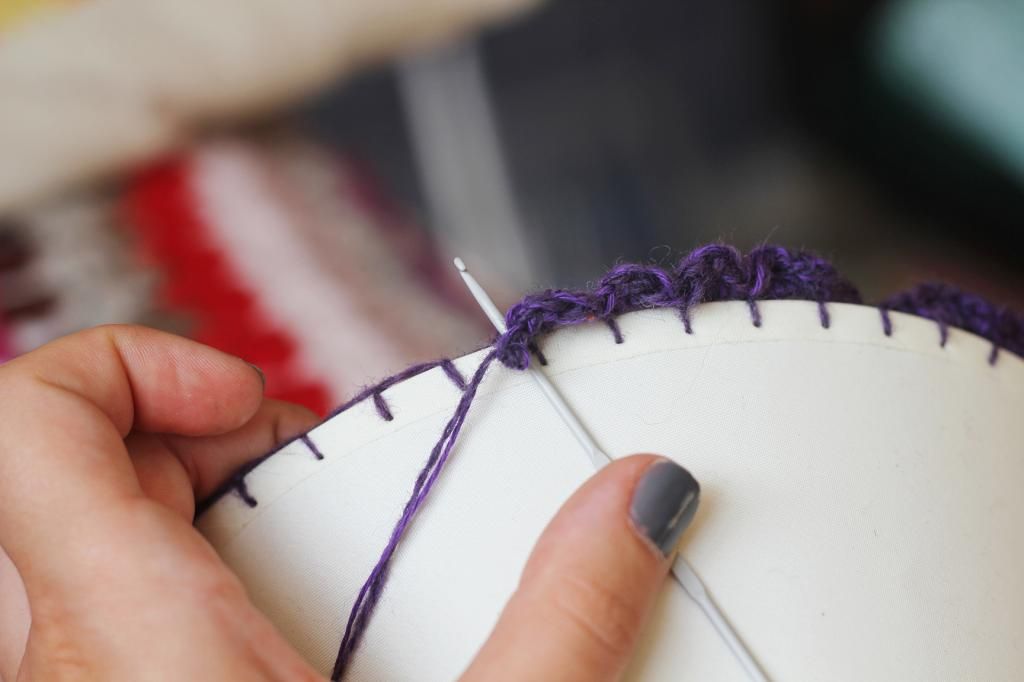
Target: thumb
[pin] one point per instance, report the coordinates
(593, 577)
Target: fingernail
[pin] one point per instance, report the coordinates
(664, 503)
(263, 377)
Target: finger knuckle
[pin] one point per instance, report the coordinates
(99, 336)
(52, 632)
(605, 619)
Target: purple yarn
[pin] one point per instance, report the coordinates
(370, 592)
(449, 368)
(374, 392)
(710, 273)
(311, 445)
(236, 482)
(951, 307)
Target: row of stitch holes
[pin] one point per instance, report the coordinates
(755, 318)
(826, 322)
(993, 354)
(755, 315)
(381, 405)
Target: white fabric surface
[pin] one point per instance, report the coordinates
(108, 83)
(860, 516)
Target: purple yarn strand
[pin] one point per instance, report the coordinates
(453, 373)
(311, 445)
(382, 407)
(236, 481)
(377, 389)
(886, 320)
(616, 332)
(949, 307)
(823, 315)
(243, 492)
(369, 594)
(755, 313)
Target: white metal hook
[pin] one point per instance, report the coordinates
(682, 572)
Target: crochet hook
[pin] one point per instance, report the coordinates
(682, 572)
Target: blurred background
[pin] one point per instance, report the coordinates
(288, 181)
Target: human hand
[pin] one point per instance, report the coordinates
(108, 437)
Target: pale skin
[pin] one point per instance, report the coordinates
(108, 437)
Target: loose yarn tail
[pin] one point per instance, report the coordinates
(370, 592)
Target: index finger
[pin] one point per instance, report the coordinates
(64, 411)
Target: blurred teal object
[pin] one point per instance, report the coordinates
(961, 62)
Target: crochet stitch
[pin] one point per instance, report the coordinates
(710, 273)
(951, 307)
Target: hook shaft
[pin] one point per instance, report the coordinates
(682, 571)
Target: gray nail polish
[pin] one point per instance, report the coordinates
(664, 503)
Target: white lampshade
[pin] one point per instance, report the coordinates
(860, 515)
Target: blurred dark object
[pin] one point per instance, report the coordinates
(14, 249)
(876, 79)
(635, 129)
